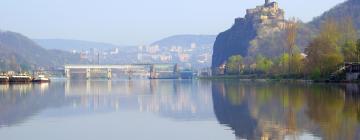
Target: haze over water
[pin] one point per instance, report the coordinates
(178, 109)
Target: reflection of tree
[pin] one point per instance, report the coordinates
(276, 111)
(329, 108)
(234, 94)
(278, 108)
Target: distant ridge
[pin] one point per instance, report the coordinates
(186, 40)
(20, 52)
(71, 44)
(349, 8)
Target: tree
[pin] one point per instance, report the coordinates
(291, 33)
(281, 64)
(358, 50)
(263, 64)
(349, 51)
(298, 63)
(234, 64)
(348, 36)
(324, 53)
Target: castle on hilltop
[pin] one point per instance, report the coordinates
(244, 36)
(267, 14)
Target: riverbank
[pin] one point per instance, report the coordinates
(262, 78)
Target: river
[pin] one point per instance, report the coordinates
(178, 110)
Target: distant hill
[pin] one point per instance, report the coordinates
(186, 40)
(70, 45)
(18, 51)
(350, 8)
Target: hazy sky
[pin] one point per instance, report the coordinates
(136, 21)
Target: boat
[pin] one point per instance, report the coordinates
(4, 79)
(20, 79)
(41, 79)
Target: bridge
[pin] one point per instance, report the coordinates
(152, 71)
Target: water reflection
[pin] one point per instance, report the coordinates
(18, 102)
(179, 100)
(279, 111)
(184, 100)
(250, 110)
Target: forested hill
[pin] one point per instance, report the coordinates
(18, 51)
(350, 8)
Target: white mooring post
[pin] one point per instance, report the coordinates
(67, 73)
(109, 74)
(88, 73)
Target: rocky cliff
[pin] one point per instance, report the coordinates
(257, 23)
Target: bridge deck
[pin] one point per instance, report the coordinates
(116, 66)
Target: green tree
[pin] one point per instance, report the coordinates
(284, 63)
(263, 64)
(297, 63)
(324, 53)
(349, 51)
(280, 65)
(322, 57)
(348, 36)
(234, 65)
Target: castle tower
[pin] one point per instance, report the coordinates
(267, 2)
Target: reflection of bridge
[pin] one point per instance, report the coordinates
(152, 71)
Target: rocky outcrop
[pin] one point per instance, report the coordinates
(234, 41)
(257, 23)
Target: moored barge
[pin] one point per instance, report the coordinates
(4, 79)
(20, 79)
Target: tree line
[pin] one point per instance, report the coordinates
(336, 42)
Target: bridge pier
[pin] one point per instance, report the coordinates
(176, 68)
(88, 73)
(152, 72)
(109, 74)
(166, 70)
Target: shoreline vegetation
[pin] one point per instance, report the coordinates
(323, 60)
(273, 78)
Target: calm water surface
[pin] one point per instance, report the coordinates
(178, 110)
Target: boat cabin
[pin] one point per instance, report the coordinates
(352, 70)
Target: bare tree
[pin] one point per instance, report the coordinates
(291, 34)
(358, 50)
